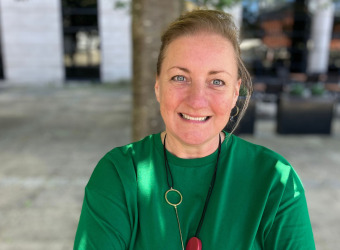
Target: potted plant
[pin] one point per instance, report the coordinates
(305, 109)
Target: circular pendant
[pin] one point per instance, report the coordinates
(174, 204)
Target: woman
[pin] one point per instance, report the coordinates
(194, 186)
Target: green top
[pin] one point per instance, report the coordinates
(258, 201)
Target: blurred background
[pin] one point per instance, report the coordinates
(77, 78)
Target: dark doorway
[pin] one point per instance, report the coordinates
(1, 65)
(81, 40)
(300, 37)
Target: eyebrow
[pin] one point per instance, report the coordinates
(180, 68)
(213, 72)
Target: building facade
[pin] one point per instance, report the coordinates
(44, 42)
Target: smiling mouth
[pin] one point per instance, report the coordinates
(196, 119)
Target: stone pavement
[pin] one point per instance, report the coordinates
(52, 137)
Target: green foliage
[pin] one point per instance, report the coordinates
(300, 89)
(122, 4)
(317, 89)
(297, 89)
(225, 3)
(217, 4)
(243, 91)
(220, 4)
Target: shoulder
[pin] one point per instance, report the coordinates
(126, 154)
(264, 164)
(259, 154)
(267, 174)
(134, 149)
(119, 164)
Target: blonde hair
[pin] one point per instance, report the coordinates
(212, 21)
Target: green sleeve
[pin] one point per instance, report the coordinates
(291, 227)
(105, 221)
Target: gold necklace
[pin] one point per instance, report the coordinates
(194, 243)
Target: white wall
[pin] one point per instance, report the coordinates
(116, 46)
(321, 34)
(236, 11)
(32, 41)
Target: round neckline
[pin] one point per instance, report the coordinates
(194, 162)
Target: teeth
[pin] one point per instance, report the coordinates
(200, 119)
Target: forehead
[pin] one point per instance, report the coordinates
(201, 49)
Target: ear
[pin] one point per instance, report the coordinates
(237, 91)
(157, 90)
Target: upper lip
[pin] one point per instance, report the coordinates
(194, 117)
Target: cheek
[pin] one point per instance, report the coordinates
(169, 101)
(223, 106)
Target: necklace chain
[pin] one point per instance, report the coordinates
(171, 184)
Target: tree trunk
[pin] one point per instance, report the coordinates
(149, 19)
(321, 33)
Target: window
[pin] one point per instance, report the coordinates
(81, 39)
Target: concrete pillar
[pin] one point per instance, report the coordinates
(116, 46)
(321, 32)
(236, 11)
(32, 41)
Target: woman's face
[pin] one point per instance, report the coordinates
(197, 87)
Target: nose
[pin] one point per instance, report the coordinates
(197, 96)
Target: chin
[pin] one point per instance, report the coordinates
(195, 139)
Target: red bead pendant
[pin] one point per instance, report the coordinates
(194, 244)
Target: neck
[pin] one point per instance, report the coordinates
(187, 151)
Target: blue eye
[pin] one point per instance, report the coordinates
(179, 78)
(217, 82)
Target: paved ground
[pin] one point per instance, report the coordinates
(52, 137)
